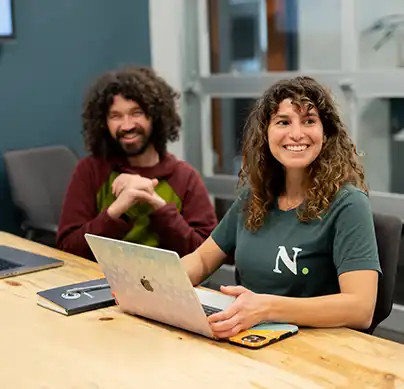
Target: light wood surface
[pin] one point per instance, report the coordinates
(109, 349)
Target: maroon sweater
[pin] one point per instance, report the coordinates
(178, 231)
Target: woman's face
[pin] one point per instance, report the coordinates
(295, 137)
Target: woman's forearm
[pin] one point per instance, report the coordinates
(194, 268)
(206, 259)
(338, 310)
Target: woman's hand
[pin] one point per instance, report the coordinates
(248, 310)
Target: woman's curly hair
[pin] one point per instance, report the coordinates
(156, 98)
(335, 166)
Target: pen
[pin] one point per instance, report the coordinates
(87, 289)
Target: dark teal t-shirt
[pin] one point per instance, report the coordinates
(288, 257)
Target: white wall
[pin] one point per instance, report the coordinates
(166, 37)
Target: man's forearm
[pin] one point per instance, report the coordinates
(338, 310)
(72, 239)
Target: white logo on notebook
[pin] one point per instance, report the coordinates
(291, 264)
(70, 296)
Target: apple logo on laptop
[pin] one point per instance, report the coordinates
(146, 284)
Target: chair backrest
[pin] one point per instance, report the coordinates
(38, 179)
(388, 235)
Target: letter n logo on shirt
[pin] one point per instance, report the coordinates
(291, 264)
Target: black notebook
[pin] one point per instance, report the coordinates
(77, 298)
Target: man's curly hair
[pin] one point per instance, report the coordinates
(140, 84)
(335, 166)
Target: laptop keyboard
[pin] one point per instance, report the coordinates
(6, 265)
(210, 310)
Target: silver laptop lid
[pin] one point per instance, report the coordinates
(150, 282)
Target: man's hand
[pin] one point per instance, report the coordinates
(248, 310)
(130, 191)
(133, 181)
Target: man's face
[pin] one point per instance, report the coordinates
(129, 126)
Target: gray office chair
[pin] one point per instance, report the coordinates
(38, 179)
(388, 231)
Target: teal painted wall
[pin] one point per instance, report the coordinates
(60, 47)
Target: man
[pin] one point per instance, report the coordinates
(130, 187)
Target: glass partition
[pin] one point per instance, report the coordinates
(380, 31)
(249, 36)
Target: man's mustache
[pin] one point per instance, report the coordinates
(135, 130)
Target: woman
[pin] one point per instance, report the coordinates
(302, 229)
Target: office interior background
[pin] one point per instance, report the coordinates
(221, 55)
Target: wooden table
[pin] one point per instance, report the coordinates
(105, 348)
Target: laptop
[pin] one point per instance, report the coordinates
(152, 283)
(14, 262)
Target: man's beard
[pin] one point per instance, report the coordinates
(134, 149)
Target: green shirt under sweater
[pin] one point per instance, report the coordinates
(301, 259)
